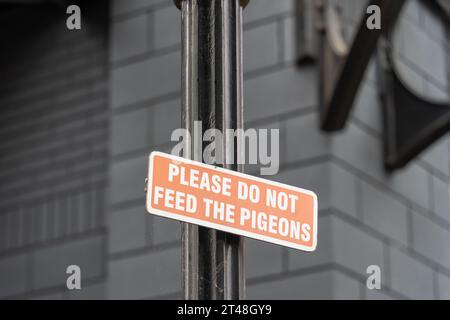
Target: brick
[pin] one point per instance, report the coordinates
(261, 47)
(322, 255)
(151, 78)
(345, 287)
(127, 229)
(129, 131)
(14, 275)
(87, 253)
(360, 149)
(129, 37)
(127, 179)
(279, 92)
(384, 214)
(260, 9)
(438, 155)
(411, 183)
(14, 229)
(343, 191)
(164, 118)
(256, 259)
(164, 230)
(441, 198)
(354, 249)
(343, 244)
(304, 139)
(289, 39)
(367, 107)
(410, 277)
(96, 291)
(326, 285)
(167, 27)
(431, 240)
(3, 231)
(145, 276)
(313, 177)
(443, 286)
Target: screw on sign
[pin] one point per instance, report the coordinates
(230, 201)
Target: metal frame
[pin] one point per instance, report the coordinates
(411, 123)
(342, 67)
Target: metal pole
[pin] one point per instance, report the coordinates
(212, 261)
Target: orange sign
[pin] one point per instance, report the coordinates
(230, 201)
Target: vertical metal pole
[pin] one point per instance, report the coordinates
(212, 261)
(189, 232)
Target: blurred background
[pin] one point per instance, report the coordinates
(80, 110)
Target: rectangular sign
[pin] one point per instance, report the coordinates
(230, 201)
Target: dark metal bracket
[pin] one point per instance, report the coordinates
(342, 67)
(411, 123)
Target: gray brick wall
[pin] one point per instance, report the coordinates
(53, 150)
(399, 221)
(144, 251)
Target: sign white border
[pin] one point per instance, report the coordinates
(220, 227)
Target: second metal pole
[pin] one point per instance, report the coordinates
(212, 93)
